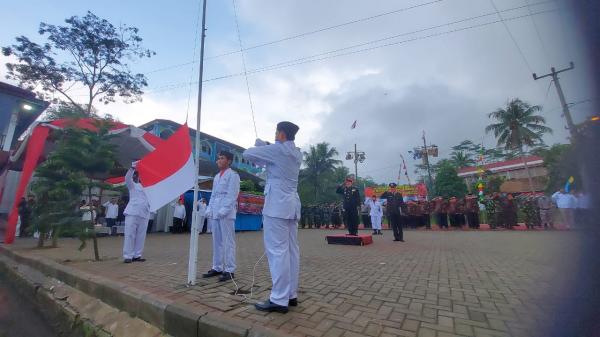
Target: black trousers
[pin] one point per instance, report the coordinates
(177, 226)
(426, 221)
(351, 220)
(110, 222)
(442, 220)
(473, 219)
(396, 221)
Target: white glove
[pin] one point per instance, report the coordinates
(259, 142)
(134, 164)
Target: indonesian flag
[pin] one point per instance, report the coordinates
(169, 170)
(353, 125)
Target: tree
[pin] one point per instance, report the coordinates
(87, 51)
(320, 163)
(448, 183)
(517, 126)
(57, 190)
(461, 159)
(561, 162)
(90, 154)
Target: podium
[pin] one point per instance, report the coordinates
(346, 239)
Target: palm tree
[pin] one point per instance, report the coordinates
(518, 126)
(461, 159)
(319, 163)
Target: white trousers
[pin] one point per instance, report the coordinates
(223, 238)
(283, 253)
(376, 221)
(135, 236)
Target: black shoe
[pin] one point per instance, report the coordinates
(396, 240)
(269, 306)
(226, 277)
(127, 261)
(138, 259)
(401, 240)
(293, 302)
(211, 273)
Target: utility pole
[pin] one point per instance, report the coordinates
(357, 157)
(565, 107)
(427, 160)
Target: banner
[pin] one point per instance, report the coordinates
(419, 190)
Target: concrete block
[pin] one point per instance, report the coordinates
(215, 325)
(181, 320)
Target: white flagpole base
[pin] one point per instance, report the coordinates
(193, 259)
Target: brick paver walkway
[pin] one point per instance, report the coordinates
(435, 284)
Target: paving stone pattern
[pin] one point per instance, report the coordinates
(435, 284)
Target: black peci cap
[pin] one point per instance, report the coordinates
(289, 128)
(393, 185)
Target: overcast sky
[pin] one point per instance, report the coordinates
(433, 80)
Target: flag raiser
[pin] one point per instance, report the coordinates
(169, 170)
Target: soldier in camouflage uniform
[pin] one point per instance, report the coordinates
(310, 216)
(526, 206)
(303, 217)
(492, 210)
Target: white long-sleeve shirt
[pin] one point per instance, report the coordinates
(138, 202)
(223, 200)
(112, 210)
(282, 162)
(179, 211)
(564, 200)
(375, 208)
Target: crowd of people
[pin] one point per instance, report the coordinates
(498, 210)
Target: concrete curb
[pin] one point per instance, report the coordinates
(174, 319)
(65, 320)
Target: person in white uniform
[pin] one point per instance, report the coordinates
(179, 216)
(281, 213)
(566, 203)
(112, 211)
(221, 212)
(376, 213)
(136, 214)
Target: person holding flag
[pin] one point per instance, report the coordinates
(221, 213)
(281, 213)
(137, 214)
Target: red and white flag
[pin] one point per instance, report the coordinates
(353, 125)
(169, 170)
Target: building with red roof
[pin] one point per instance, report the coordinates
(513, 171)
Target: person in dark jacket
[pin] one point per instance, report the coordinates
(395, 208)
(351, 204)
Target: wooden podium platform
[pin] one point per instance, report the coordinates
(346, 239)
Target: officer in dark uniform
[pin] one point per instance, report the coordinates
(394, 208)
(303, 216)
(351, 205)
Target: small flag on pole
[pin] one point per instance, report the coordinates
(353, 125)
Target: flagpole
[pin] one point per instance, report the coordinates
(195, 231)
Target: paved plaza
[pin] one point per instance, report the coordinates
(455, 283)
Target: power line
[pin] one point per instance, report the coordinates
(315, 58)
(537, 31)
(193, 56)
(512, 37)
(297, 36)
(320, 30)
(237, 27)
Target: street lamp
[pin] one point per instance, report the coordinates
(358, 157)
